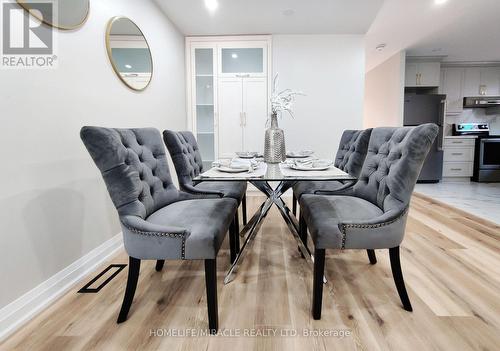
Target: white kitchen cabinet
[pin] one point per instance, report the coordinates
(456, 170)
(422, 74)
(481, 81)
(242, 114)
(458, 82)
(452, 142)
(489, 81)
(228, 86)
(458, 158)
(255, 103)
(452, 85)
(429, 74)
(472, 81)
(457, 154)
(411, 74)
(230, 107)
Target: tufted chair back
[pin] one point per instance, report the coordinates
(134, 166)
(392, 165)
(352, 151)
(185, 154)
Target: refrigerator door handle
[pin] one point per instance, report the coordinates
(440, 139)
(442, 114)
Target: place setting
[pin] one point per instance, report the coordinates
(305, 164)
(245, 164)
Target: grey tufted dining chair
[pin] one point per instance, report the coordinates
(350, 156)
(158, 221)
(372, 213)
(186, 157)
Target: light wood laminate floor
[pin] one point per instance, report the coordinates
(450, 260)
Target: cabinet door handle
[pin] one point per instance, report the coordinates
(482, 89)
(457, 142)
(243, 75)
(457, 153)
(456, 169)
(241, 119)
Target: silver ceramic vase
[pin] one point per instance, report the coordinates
(274, 146)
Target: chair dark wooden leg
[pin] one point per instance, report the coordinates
(159, 265)
(211, 286)
(244, 209)
(302, 232)
(319, 270)
(234, 239)
(237, 220)
(294, 205)
(398, 278)
(134, 267)
(371, 256)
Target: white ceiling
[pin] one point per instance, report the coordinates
(267, 16)
(461, 30)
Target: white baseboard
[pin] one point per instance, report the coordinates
(20, 311)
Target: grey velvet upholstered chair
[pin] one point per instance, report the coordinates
(349, 158)
(372, 213)
(158, 221)
(188, 163)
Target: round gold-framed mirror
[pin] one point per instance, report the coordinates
(61, 14)
(129, 53)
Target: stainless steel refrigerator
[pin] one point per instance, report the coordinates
(428, 108)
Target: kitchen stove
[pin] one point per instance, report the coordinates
(487, 151)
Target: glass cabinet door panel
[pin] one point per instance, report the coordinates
(206, 144)
(204, 81)
(242, 60)
(204, 90)
(204, 61)
(205, 118)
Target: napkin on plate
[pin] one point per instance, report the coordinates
(238, 163)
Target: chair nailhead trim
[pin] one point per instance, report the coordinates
(343, 226)
(162, 234)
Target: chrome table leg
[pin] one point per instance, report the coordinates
(253, 226)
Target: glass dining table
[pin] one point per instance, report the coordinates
(262, 178)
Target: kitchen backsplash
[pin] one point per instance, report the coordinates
(473, 115)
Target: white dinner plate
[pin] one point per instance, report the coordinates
(309, 168)
(231, 170)
(247, 154)
(300, 154)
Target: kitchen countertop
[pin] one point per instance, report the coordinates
(461, 136)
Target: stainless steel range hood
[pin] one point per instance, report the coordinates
(481, 101)
(491, 104)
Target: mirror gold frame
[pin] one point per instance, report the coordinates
(110, 53)
(24, 4)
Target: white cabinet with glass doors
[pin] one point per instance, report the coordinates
(228, 93)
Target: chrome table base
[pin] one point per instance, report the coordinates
(253, 226)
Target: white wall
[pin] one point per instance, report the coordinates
(330, 70)
(384, 93)
(54, 207)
